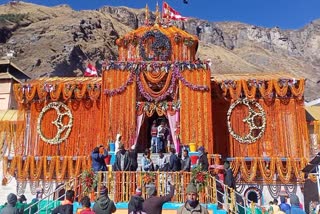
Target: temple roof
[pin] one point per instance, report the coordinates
(66, 80)
(257, 76)
(171, 32)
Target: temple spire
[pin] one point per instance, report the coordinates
(157, 21)
(146, 20)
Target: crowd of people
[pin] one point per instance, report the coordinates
(15, 205)
(295, 206)
(127, 160)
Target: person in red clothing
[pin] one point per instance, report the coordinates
(154, 203)
(85, 201)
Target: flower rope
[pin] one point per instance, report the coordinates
(235, 166)
(121, 88)
(267, 172)
(178, 75)
(284, 172)
(248, 175)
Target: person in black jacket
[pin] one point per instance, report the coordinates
(154, 203)
(67, 207)
(228, 178)
(135, 205)
(104, 205)
(203, 159)
(185, 162)
(10, 206)
(122, 162)
(133, 156)
(174, 161)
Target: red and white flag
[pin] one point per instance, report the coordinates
(170, 13)
(91, 71)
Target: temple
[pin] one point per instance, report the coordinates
(256, 121)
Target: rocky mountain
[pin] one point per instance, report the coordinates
(56, 41)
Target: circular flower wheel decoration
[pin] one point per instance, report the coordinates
(161, 46)
(63, 128)
(256, 121)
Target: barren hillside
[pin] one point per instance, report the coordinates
(55, 41)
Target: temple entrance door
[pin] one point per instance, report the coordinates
(144, 139)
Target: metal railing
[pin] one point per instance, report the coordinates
(49, 202)
(121, 185)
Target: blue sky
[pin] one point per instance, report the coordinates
(286, 14)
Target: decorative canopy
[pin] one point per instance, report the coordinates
(156, 43)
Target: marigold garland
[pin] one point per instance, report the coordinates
(265, 87)
(284, 172)
(267, 172)
(248, 175)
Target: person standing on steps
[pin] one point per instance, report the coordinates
(98, 155)
(154, 139)
(203, 159)
(117, 143)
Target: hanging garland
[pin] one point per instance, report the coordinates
(176, 74)
(161, 46)
(250, 120)
(163, 96)
(155, 66)
(61, 128)
(122, 88)
(162, 107)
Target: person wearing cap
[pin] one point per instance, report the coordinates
(295, 205)
(11, 203)
(154, 203)
(203, 159)
(192, 204)
(98, 155)
(104, 205)
(136, 203)
(122, 162)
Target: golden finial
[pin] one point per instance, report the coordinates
(157, 15)
(146, 21)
